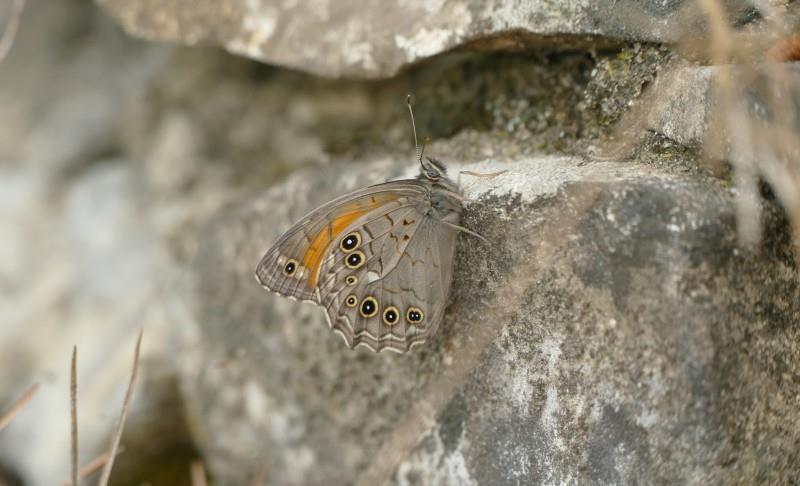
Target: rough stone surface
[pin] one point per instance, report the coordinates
(682, 105)
(593, 341)
(353, 39)
(613, 332)
(80, 261)
(685, 99)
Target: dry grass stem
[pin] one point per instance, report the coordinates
(93, 466)
(123, 416)
(10, 32)
(756, 118)
(73, 415)
(198, 472)
(753, 108)
(17, 406)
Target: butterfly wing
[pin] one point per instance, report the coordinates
(291, 267)
(406, 278)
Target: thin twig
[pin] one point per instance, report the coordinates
(721, 33)
(198, 472)
(73, 414)
(6, 418)
(93, 466)
(112, 453)
(10, 32)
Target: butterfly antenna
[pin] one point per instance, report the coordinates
(419, 150)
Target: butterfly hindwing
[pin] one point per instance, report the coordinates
(407, 270)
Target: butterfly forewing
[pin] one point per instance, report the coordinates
(291, 267)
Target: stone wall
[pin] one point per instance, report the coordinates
(633, 319)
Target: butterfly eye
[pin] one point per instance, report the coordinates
(391, 315)
(369, 307)
(434, 176)
(351, 301)
(351, 241)
(351, 280)
(414, 315)
(355, 259)
(290, 267)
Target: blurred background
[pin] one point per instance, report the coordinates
(635, 320)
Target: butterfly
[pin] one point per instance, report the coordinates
(379, 260)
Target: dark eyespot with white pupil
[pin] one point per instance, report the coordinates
(354, 260)
(290, 267)
(351, 301)
(391, 315)
(414, 315)
(369, 307)
(351, 241)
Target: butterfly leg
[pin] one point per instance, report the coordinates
(465, 230)
(489, 175)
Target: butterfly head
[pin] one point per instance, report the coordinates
(431, 169)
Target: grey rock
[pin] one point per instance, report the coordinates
(112, 251)
(353, 39)
(60, 126)
(612, 332)
(744, 118)
(79, 263)
(685, 101)
(79, 273)
(682, 102)
(598, 339)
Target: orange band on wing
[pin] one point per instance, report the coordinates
(312, 259)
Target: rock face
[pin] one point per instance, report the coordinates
(685, 97)
(593, 341)
(80, 258)
(614, 330)
(353, 39)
